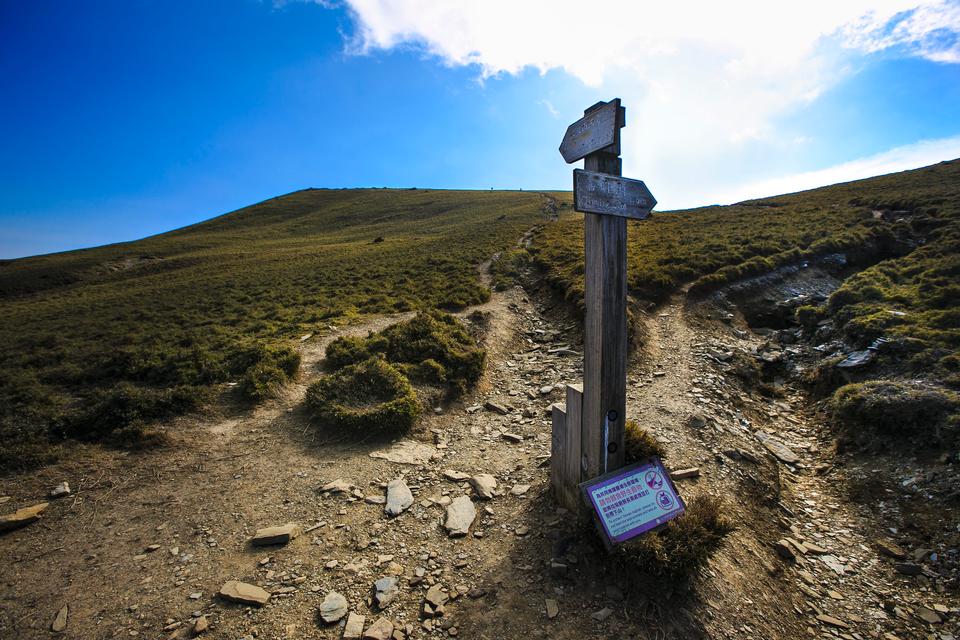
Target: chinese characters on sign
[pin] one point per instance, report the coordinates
(633, 500)
(612, 195)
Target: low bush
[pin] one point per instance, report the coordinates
(431, 348)
(24, 447)
(123, 410)
(677, 551)
(894, 408)
(808, 316)
(367, 398)
(507, 268)
(261, 381)
(639, 444)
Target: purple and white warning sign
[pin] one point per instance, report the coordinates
(633, 500)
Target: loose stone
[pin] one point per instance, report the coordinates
(275, 535)
(399, 497)
(333, 607)
(244, 593)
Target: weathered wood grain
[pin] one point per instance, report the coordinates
(605, 334)
(558, 415)
(595, 192)
(597, 129)
(605, 344)
(572, 459)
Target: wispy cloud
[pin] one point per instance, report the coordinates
(549, 107)
(912, 156)
(929, 31)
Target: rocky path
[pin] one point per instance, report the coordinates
(160, 545)
(833, 571)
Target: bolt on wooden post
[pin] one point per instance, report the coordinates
(591, 443)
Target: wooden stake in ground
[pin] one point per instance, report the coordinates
(608, 200)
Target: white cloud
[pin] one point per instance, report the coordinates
(705, 83)
(746, 38)
(550, 108)
(912, 156)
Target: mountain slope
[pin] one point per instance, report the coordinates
(98, 340)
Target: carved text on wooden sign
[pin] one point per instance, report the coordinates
(612, 195)
(592, 132)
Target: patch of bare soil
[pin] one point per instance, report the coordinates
(146, 540)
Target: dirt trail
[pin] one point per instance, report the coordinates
(232, 473)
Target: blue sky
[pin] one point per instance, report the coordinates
(120, 119)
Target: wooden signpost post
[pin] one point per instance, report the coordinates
(589, 431)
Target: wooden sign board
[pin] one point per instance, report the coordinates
(611, 195)
(632, 500)
(593, 132)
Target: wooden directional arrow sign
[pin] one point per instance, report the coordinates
(592, 132)
(611, 195)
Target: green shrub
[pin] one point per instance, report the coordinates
(109, 412)
(639, 444)
(261, 381)
(348, 350)
(433, 347)
(23, 446)
(893, 408)
(507, 268)
(680, 549)
(808, 315)
(371, 397)
(266, 369)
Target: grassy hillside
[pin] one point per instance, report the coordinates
(901, 231)
(94, 343)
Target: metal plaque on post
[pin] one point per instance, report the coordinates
(632, 500)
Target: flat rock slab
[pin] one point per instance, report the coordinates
(275, 535)
(891, 549)
(929, 615)
(244, 593)
(386, 591)
(436, 596)
(399, 497)
(833, 622)
(354, 628)
(333, 607)
(59, 624)
(22, 517)
(553, 609)
(200, 626)
(908, 568)
(519, 489)
(857, 359)
(455, 476)
(485, 485)
(337, 486)
(683, 474)
(489, 405)
(407, 452)
(460, 515)
(785, 550)
(381, 629)
(777, 448)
